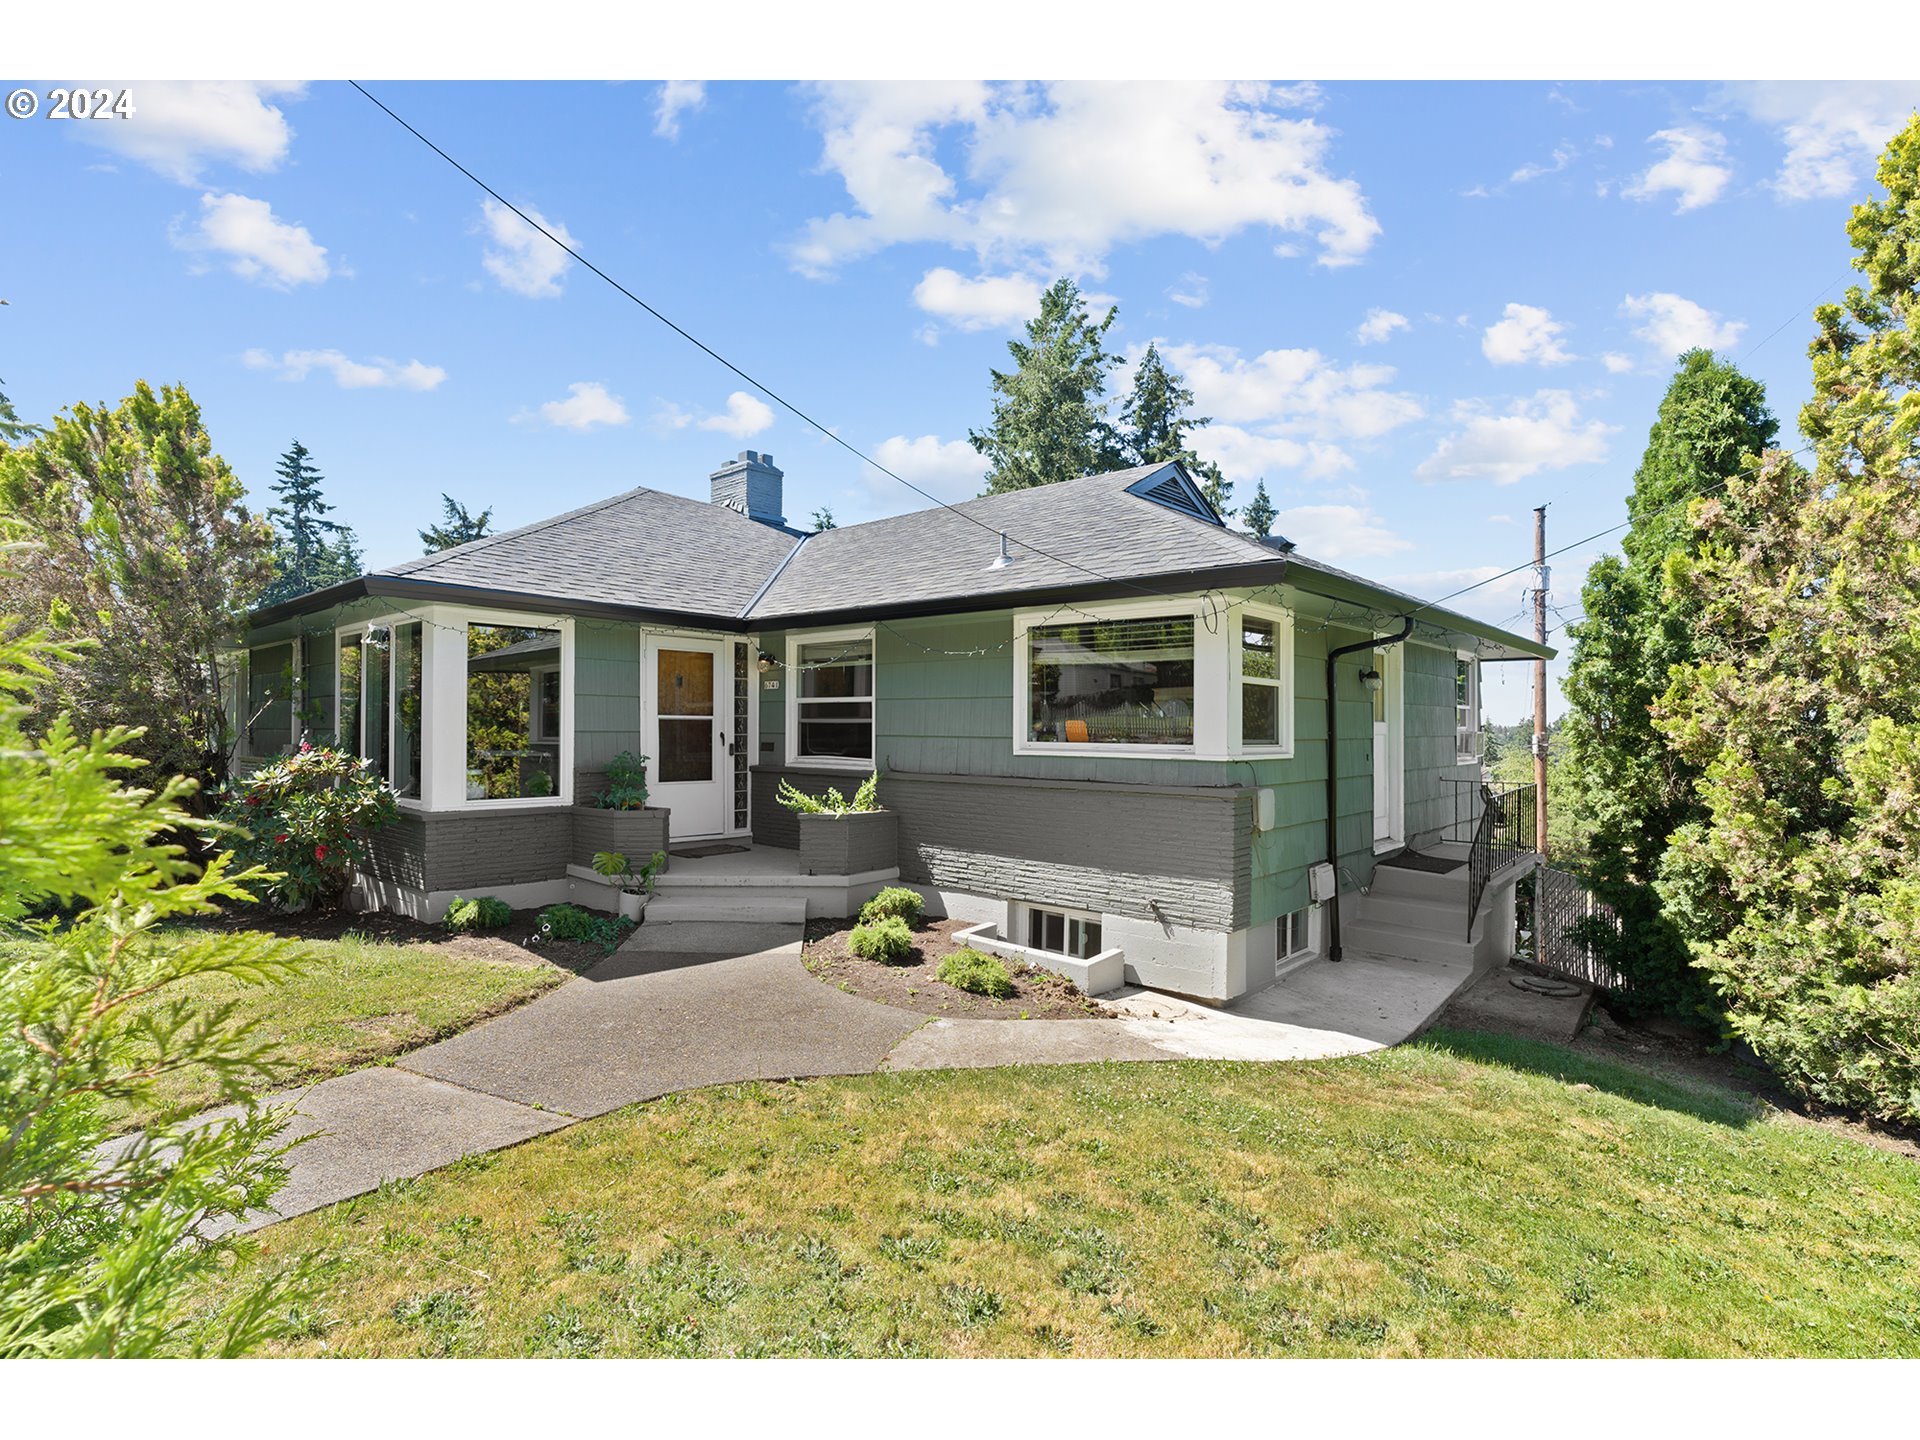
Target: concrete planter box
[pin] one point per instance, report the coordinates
(849, 844)
(635, 834)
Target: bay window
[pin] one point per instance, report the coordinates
(268, 721)
(830, 700)
(513, 715)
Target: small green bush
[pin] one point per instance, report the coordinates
(570, 922)
(626, 783)
(887, 940)
(484, 912)
(981, 974)
(831, 801)
(894, 900)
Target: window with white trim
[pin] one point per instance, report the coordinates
(1466, 708)
(1293, 935)
(1264, 675)
(1062, 932)
(269, 713)
(1123, 681)
(513, 743)
(830, 700)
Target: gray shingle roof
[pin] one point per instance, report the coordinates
(645, 548)
(1093, 526)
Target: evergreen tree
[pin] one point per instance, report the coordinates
(1155, 425)
(823, 519)
(1801, 711)
(1049, 412)
(1633, 791)
(13, 430)
(456, 526)
(1259, 511)
(310, 551)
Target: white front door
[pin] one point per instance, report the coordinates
(1388, 766)
(692, 687)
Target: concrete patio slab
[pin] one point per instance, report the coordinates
(643, 1025)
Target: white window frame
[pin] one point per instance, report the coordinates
(1211, 678)
(536, 721)
(1025, 908)
(1305, 938)
(392, 622)
(838, 765)
(1470, 755)
(1283, 682)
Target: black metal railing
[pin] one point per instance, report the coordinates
(1496, 823)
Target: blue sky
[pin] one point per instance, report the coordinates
(1417, 309)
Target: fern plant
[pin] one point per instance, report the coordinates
(830, 801)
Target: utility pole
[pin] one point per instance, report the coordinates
(1540, 578)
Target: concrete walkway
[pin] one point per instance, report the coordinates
(650, 1021)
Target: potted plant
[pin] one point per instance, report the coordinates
(839, 836)
(617, 819)
(636, 886)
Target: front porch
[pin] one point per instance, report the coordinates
(719, 881)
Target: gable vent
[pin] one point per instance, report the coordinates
(1169, 488)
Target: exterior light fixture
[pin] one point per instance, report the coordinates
(1004, 558)
(766, 662)
(1372, 678)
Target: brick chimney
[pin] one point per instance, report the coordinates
(750, 485)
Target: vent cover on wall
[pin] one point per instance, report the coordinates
(1171, 488)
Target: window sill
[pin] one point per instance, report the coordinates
(1071, 750)
(838, 767)
(1263, 752)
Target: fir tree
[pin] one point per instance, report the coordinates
(310, 551)
(456, 526)
(1155, 426)
(1259, 511)
(14, 430)
(1049, 412)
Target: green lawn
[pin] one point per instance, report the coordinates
(357, 1001)
(1465, 1196)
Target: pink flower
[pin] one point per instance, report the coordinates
(279, 839)
(319, 852)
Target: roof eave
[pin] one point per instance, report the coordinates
(427, 591)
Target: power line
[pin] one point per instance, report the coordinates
(757, 384)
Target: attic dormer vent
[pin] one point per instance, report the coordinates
(1171, 489)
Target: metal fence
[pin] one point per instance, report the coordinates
(1499, 834)
(1560, 902)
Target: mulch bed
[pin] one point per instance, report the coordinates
(911, 985)
(509, 943)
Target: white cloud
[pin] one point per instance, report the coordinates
(179, 127)
(1190, 290)
(745, 415)
(1616, 363)
(985, 302)
(1543, 433)
(1693, 169)
(1672, 324)
(379, 373)
(1562, 157)
(1380, 325)
(949, 469)
(676, 98)
(588, 404)
(1529, 335)
(1059, 174)
(257, 245)
(1833, 130)
(520, 257)
(1292, 397)
(1244, 455)
(1337, 533)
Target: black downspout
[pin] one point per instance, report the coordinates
(1333, 770)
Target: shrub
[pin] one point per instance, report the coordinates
(570, 922)
(618, 868)
(894, 900)
(626, 783)
(485, 912)
(830, 801)
(307, 816)
(887, 940)
(980, 974)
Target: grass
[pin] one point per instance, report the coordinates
(357, 1001)
(1464, 1196)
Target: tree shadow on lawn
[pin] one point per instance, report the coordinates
(1702, 1099)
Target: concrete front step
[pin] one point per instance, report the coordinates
(726, 907)
(711, 937)
(1448, 917)
(1406, 942)
(1394, 880)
